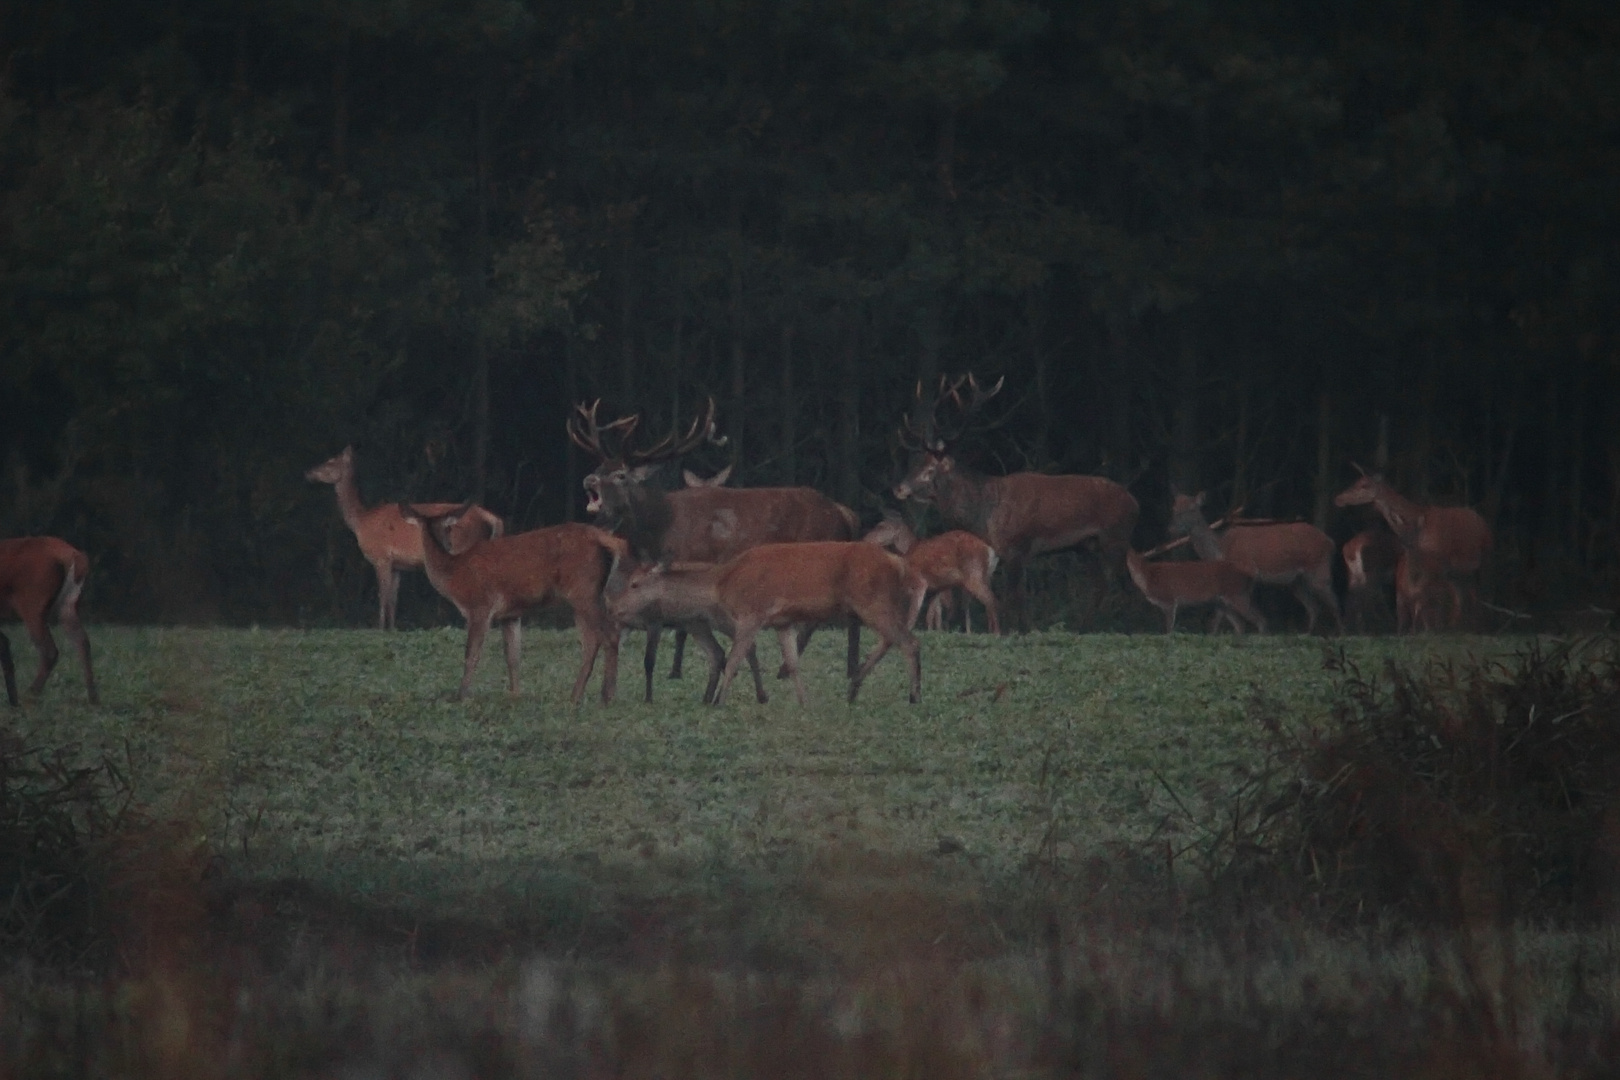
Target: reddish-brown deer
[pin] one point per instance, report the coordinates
(696, 524)
(389, 544)
(781, 586)
(498, 580)
(1453, 541)
(680, 595)
(952, 560)
(1170, 586)
(1295, 554)
(41, 579)
(1370, 561)
(1020, 515)
(1423, 593)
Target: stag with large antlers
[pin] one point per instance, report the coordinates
(1442, 543)
(695, 524)
(1020, 515)
(387, 541)
(40, 579)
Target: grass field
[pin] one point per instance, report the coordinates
(512, 886)
(335, 756)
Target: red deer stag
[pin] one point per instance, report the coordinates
(781, 586)
(1021, 515)
(1452, 541)
(1370, 561)
(1170, 586)
(695, 524)
(499, 580)
(680, 595)
(952, 560)
(1295, 554)
(41, 578)
(388, 543)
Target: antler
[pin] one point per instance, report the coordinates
(675, 445)
(587, 433)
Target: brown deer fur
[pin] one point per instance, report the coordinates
(951, 560)
(1170, 586)
(781, 586)
(499, 580)
(386, 540)
(681, 595)
(41, 578)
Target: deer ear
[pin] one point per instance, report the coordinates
(411, 516)
(719, 479)
(1198, 500)
(691, 478)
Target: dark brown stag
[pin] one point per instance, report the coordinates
(1020, 515)
(1293, 553)
(1450, 542)
(695, 524)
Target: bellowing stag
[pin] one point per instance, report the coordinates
(695, 524)
(1020, 515)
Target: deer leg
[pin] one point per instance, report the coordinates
(40, 632)
(759, 684)
(790, 660)
(741, 643)
(9, 669)
(680, 653)
(592, 640)
(81, 642)
(866, 668)
(384, 572)
(649, 661)
(477, 627)
(1015, 578)
(936, 613)
(979, 589)
(1169, 617)
(1244, 605)
(804, 642)
(1321, 586)
(967, 611)
(852, 659)
(913, 652)
(512, 636)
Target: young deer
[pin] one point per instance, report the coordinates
(1371, 558)
(41, 578)
(1170, 586)
(1295, 554)
(386, 540)
(952, 560)
(499, 580)
(680, 595)
(781, 586)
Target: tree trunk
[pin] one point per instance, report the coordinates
(1184, 474)
(849, 416)
(340, 113)
(627, 331)
(1035, 312)
(479, 296)
(1324, 459)
(1120, 385)
(790, 409)
(739, 368)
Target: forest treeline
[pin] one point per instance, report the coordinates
(1228, 247)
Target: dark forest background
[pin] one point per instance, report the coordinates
(1224, 246)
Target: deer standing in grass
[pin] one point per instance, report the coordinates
(41, 579)
(1371, 558)
(783, 586)
(498, 580)
(1295, 554)
(680, 595)
(707, 524)
(952, 560)
(387, 541)
(1449, 542)
(1170, 586)
(1020, 515)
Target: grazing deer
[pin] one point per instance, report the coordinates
(681, 595)
(696, 524)
(1021, 515)
(1371, 558)
(1295, 554)
(1452, 542)
(1170, 586)
(781, 586)
(41, 578)
(386, 540)
(952, 560)
(499, 580)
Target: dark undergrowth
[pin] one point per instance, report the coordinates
(1421, 884)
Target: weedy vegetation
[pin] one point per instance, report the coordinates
(288, 853)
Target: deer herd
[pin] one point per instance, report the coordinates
(707, 558)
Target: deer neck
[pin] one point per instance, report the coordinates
(966, 501)
(437, 562)
(348, 497)
(1404, 516)
(1204, 540)
(646, 521)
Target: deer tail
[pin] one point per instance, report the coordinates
(76, 569)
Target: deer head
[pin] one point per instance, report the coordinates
(933, 441)
(621, 466)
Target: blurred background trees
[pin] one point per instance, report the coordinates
(1224, 247)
